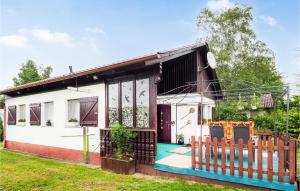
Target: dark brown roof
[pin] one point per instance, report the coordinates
(82, 73)
(151, 58)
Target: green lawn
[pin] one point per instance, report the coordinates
(25, 172)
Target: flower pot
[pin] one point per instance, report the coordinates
(118, 166)
(22, 123)
(180, 142)
(72, 124)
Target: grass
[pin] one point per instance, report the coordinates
(26, 172)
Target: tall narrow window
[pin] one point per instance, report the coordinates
(142, 103)
(127, 103)
(22, 114)
(73, 110)
(200, 113)
(48, 113)
(113, 104)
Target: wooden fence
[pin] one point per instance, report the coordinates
(211, 150)
(144, 145)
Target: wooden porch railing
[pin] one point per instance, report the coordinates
(144, 145)
(212, 150)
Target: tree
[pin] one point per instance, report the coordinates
(240, 56)
(30, 72)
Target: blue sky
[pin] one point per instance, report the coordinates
(91, 33)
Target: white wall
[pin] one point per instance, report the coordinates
(60, 134)
(187, 123)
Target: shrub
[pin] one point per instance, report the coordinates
(123, 138)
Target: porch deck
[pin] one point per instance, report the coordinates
(181, 164)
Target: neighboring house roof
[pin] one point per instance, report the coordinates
(147, 59)
(267, 100)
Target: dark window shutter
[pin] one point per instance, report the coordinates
(12, 115)
(35, 114)
(89, 111)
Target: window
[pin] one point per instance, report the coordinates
(48, 113)
(142, 103)
(123, 108)
(73, 110)
(22, 114)
(127, 103)
(113, 103)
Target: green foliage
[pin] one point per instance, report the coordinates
(122, 137)
(240, 56)
(181, 136)
(1, 129)
(30, 72)
(228, 111)
(73, 120)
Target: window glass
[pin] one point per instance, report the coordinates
(22, 114)
(48, 112)
(142, 103)
(113, 104)
(73, 110)
(127, 103)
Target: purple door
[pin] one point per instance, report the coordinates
(164, 123)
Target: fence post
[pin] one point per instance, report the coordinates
(292, 158)
(207, 154)
(231, 156)
(223, 156)
(193, 153)
(250, 158)
(270, 159)
(281, 160)
(200, 152)
(259, 159)
(240, 149)
(215, 155)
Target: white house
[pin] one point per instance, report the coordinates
(167, 93)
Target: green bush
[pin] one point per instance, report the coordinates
(122, 137)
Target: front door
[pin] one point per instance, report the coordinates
(164, 123)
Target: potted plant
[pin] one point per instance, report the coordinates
(180, 139)
(73, 122)
(21, 121)
(122, 160)
(48, 123)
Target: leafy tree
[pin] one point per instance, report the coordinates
(240, 56)
(30, 72)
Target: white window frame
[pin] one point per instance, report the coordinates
(19, 115)
(45, 118)
(77, 113)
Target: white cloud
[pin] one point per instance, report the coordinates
(17, 41)
(95, 30)
(49, 37)
(218, 5)
(269, 20)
